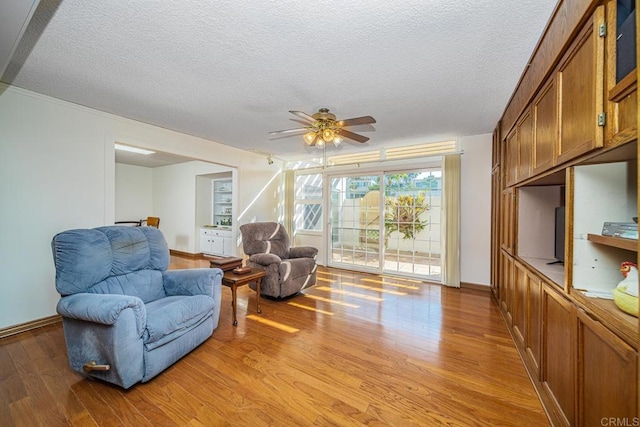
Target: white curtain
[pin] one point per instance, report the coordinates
(289, 202)
(451, 220)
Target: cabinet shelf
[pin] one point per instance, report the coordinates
(222, 207)
(616, 242)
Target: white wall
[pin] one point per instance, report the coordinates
(57, 172)
(134, 188)
(475, 205)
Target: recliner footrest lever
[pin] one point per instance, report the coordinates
(93, 366)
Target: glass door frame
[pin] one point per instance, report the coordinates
(380, 171)
(327, 208)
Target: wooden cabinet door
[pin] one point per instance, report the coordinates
(505, 220)
(581, 84)
(510, 165)
(520, 303)
(495, 231)
(559, 361)
(495, 158)
(506, 287)
(607, 375)
(545, 125)
(622, 113)
(524, 131)
(534, 323)
(508, 221)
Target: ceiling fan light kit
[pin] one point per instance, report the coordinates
(323, 128)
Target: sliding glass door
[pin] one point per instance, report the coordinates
(386, 222)
(355, 222)
(412, 201)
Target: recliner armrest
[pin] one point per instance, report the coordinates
(102, 308)
(265, 259)
(303, 252)
(193, 281)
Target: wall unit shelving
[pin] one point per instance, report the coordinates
(569, 138)
(222, 202)
(217, 236)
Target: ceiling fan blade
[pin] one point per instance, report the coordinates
(302, 122)
(276, 132)
(364, 120)
(303, 115)
(351, 135)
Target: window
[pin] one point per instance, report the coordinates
(308, 202)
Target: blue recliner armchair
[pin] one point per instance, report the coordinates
(126, 317)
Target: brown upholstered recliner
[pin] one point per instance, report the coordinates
(289, 270)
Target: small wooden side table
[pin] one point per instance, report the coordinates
(234, 280)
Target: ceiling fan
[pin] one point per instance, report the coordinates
(322, 127)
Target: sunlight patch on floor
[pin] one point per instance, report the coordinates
(306, 307)
(271, 323)
(396, 285)
(329, 300)
(373, 288)
(347, 293)
(394, 279)
(326, 273)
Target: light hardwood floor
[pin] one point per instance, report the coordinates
(356, 349)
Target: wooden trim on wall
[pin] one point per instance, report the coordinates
(475, 286)
(186, 254)
(23, 327)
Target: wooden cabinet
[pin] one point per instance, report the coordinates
(527, 316)
(545, 119)
(568, 139)
(581, 83)
(607, 375)
(534, 324)
(559, 362)
(524, 131)
(495, 230)
(507, 221)
(506, 286)
(518, 150)
(510, 163)
(495, 154)
(622, 93)
(520, 302)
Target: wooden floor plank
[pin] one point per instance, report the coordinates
(41, 400)
(357, 349)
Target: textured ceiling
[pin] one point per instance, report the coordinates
(230, 70)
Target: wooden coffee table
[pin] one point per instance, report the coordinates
(224, 263)
(233, 280)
